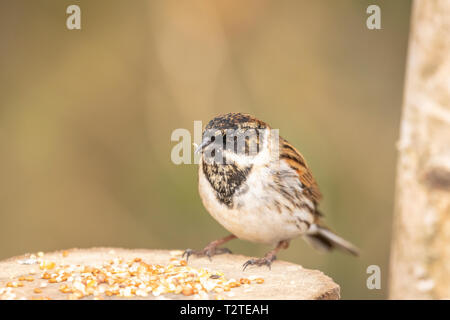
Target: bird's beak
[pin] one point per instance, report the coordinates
(201, 146)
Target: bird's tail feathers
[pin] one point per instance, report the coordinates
(323, 239)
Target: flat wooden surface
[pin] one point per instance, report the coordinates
(284, 281)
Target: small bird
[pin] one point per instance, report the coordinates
(259, 187)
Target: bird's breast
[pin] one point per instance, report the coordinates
(251, 207)
(226, 180)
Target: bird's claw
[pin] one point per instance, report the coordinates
(187, 253)
(207, 251)
(266, 261)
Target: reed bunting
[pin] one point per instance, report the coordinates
(259, 187)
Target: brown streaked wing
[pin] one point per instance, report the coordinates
(296, 161)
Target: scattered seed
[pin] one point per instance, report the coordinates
(188, 291)
(132, 278)
(26, 278)
(47, 265)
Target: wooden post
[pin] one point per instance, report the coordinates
(420, 257)
(285, 281)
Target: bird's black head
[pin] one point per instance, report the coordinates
(235, 121)
(237, 133)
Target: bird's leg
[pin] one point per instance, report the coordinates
(269, 257)
(211, 249)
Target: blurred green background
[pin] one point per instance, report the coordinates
(86, 118)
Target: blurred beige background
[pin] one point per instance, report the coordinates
(86, 118)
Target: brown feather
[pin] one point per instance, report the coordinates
(296, 161)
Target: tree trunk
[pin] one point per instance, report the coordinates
(420, 257)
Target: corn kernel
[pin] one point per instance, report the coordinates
(188, 291)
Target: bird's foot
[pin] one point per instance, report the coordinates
(266, 261)
(208, 251)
